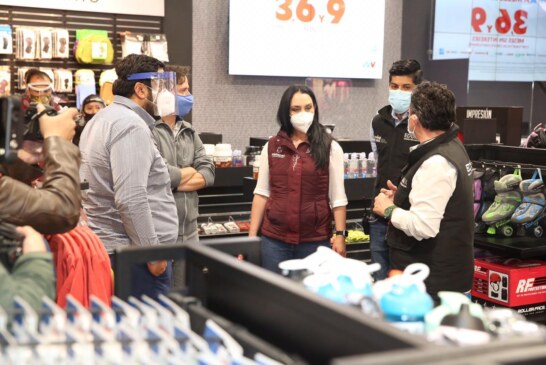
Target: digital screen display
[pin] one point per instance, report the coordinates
(307, 38)
(505, 40)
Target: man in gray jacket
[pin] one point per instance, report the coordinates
(189, 167)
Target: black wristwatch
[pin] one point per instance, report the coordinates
(343, 233)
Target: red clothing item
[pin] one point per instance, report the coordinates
(298, 208)
(82, 266)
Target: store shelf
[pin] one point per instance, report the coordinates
(519, 247)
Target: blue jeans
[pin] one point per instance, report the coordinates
(144, 283)
(378, 246)
(275, 252)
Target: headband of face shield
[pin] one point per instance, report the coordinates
(163, 90)
(40, 92)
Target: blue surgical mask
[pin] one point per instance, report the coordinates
(184, 104)
(399, 100)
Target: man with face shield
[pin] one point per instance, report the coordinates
(129, 201)
(189, 167)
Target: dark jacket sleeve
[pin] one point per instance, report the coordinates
(54, 208)
(32, 278)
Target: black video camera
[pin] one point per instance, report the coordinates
(32, 121)
(11, 245)
(12, 128)
(17, 125)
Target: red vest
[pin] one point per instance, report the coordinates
(298, 208)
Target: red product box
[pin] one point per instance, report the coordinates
(509, 282)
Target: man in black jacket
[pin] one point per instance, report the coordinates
(390, 144)
(431, 212)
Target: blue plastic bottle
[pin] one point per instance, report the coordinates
(405, 306)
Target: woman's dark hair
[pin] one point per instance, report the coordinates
(409, 67)
(133, 64)
(434, 105)
(319, 139)
(92, 99)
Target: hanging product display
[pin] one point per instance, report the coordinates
(85, 85)
(63, 81)
(529, 216)
(508, 198)
(25, 43)
(106, 81)
(60, 43)
(6, 45)
(5, 81)
(45, 48)
(142, 331)
(154, 45)
(93, 46)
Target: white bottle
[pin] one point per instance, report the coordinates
(345, 165)
(353, 166)
(372, 168)
(364, 165)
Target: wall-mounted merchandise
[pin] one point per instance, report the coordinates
(63, 81)
(5, 81)
(41, 43)
(41, 36)
(93, 47)
(85, 85)
(106, 82)
(154, 45)
(60, 40)
(6, 46)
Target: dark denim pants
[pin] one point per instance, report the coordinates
(275, 252)
(378, 246)
(144, 283)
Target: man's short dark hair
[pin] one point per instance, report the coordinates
(434, 105)
(182, 72)
(35, 72)
(409, 67)
(133, 64)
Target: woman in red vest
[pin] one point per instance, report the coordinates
(300, 185)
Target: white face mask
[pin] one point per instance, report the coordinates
(302, 121)
(165, 102)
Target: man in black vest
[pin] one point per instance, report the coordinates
(431, 211)
(390, 143)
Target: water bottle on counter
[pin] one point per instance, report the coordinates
(371, 166)
(354, 163)
(345, 165)
(237, 159)
(363, 165)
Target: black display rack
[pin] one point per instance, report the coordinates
(285, 320)
(275, 309)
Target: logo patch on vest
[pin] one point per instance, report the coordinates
(404, 183)
(279, 153)
(379, 139)
(469, 168)
(409, 137)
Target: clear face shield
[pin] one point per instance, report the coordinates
(163, 91)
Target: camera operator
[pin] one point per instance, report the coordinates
(32, 275)
(54, 208)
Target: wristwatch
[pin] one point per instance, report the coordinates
(343, 233)
(388, 212)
